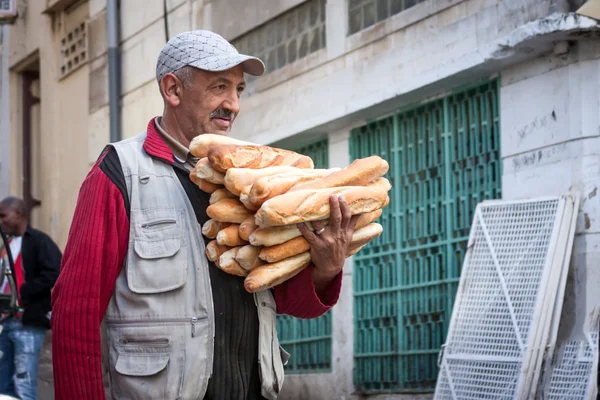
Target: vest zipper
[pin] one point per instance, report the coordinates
(158, 222)
(150, 342)
(193, 321)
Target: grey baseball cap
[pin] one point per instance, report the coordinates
(204, 50)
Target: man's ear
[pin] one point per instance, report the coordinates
(171, 89)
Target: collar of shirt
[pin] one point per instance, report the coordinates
(181, 154)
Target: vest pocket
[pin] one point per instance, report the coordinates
(158, 264)
(147, 364)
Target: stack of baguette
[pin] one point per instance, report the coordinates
(258, 195)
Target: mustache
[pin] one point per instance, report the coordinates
(222, 113)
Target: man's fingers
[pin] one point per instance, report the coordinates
(335, 216)
(310, 236)
(346, 213)
(318, 225)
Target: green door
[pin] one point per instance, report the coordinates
(308, 340)
(444, 158)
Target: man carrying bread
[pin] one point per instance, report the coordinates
(137, 303)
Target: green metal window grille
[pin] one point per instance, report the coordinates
(365, 13)
(444, 159)
(293, 35)
(308, 340)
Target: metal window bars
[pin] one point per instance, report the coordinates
(308, 340)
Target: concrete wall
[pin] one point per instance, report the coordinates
(551, 145)
(4, 113)
(378, 69)
(60, 122)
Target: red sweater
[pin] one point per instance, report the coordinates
(92, 261)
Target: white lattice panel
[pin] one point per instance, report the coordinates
(499, 299)
(572, 374)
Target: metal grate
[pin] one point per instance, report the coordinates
(73, 50)
(308, 340)
(571, 374)
(494, 323)
(365, 13)
(287, 38)
(444, 159)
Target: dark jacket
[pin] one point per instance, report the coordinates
(41, 259)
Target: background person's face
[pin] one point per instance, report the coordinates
(10, 219)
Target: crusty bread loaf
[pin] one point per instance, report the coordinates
(230, 236)
(214, 251)
(267, 187)
(211, 228)
(221, 194)
(360, 173)
(300, 245)
(245, 199)
(285, 250)
(228, 263)
(247, 227)
(236, 179)
(355, 249)
(228, 210)
(203, 184)
(268, 275)
(201, 144)
(225, 157)
(271, 236)
(203, 170)
(247, 257)
(313, 204)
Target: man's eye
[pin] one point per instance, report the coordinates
(221, 87)
(241, 89)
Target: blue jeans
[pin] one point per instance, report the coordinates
(20, 347)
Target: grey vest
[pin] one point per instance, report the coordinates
(158, 336)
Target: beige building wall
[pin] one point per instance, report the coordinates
(60, 121)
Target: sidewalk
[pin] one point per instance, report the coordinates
(45, 379)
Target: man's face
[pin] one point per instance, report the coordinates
(212, 102)
(10, 219)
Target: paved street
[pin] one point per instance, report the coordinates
(45, 381)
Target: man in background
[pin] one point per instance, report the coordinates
(36, 267)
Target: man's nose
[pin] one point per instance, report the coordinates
(232, 103)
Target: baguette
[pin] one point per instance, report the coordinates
(360, 173)
(203, 184)
(203, 170)
(225, 157)
(246, 201)
(221, 194)
(201, 144)
(285, 250)
(214, 251)
(247, 257)
(228, 210)
(228, 263)
(300, 245)
(313, 204)
(211, 228)
(269, 275)
(236, 179)
(247, 227)
(355, 249)
(267, 187)
(230, 236)
(272, 236)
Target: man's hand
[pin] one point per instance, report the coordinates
(329, 244)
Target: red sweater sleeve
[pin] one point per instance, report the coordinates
(297, 297)
(92, 260)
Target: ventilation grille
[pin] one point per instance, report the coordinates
(74, 52)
